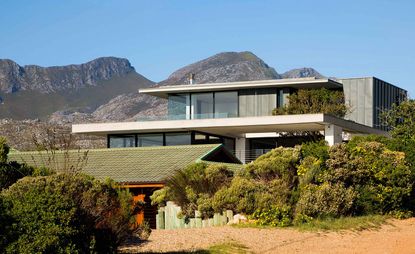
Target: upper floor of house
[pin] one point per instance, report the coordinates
(366, 98)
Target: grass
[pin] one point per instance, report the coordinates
(226, 248)
(358, 223)
(344, 223)
(230, 247)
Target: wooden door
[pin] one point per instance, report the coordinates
(140, 216)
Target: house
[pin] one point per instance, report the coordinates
(142, 170)
(239, 115)
(226, 123)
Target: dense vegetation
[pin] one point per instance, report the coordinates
(45, 212)
(311, 101)
(370, 175)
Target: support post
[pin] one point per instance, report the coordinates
(240, 149)
(333, 134)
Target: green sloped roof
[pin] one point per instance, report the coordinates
(127, 165)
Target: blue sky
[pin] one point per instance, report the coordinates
(338, 38)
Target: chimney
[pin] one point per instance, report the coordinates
(191, 78)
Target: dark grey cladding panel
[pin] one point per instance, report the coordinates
(385, 95)
(368, 98)
(358, 94)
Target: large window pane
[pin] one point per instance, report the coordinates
(226, 104)
(150, 140)
(202, 105)
(177, 104)
(116, 141)
(174, 139)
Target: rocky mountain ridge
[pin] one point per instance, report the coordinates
(14, 78)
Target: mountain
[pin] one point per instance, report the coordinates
(302, 73)
(29, 92)
(222, 67)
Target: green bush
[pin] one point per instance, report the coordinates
(240, 196)
(67, 213)
(4, 150)
(319, 150)
(390, 180)
(192, 188)
(279, 163)
(310, 170)
(380, 176)
(273, 216)
(326, 200)
(310, 101)
(12, 171)
(6, 222)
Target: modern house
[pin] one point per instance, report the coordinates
(220, 123)
(239, 115)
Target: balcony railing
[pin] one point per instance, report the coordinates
(183, 117)
(249, 155)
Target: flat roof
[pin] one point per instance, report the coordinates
(231, 127)
(298, 83)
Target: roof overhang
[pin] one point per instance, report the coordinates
(232, 127)
(296, 83)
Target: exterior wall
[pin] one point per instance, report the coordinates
(257, 102)
(358, 93)
(384, 96)
(368, 98)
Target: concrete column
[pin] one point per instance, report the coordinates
(240, 149)
(333, 134)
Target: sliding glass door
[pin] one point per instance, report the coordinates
(202, 105)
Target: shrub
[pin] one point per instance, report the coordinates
(192, 187)
(310, 101)
(326, 200)
(279, 163)
(319, 150)
(390, 180)
(6, 222)
(273, 216)
(380, 176)
(310, 170)
(4, 150)
(10, 172)
(240, 196)
(67, 213)
(247, 195)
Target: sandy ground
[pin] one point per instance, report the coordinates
(398, 236)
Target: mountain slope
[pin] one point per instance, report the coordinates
(222, 67)
(31, 92)
(302, 73)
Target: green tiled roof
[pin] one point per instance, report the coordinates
(128, 165)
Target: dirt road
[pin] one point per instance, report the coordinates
(398, 236)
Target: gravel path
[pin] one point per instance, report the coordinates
(396, 237)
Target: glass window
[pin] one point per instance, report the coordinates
(174, 139)
(202, 105)
(226, 104)
(200, 136)
(150, 140)
(177, 106)
(116, 141)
